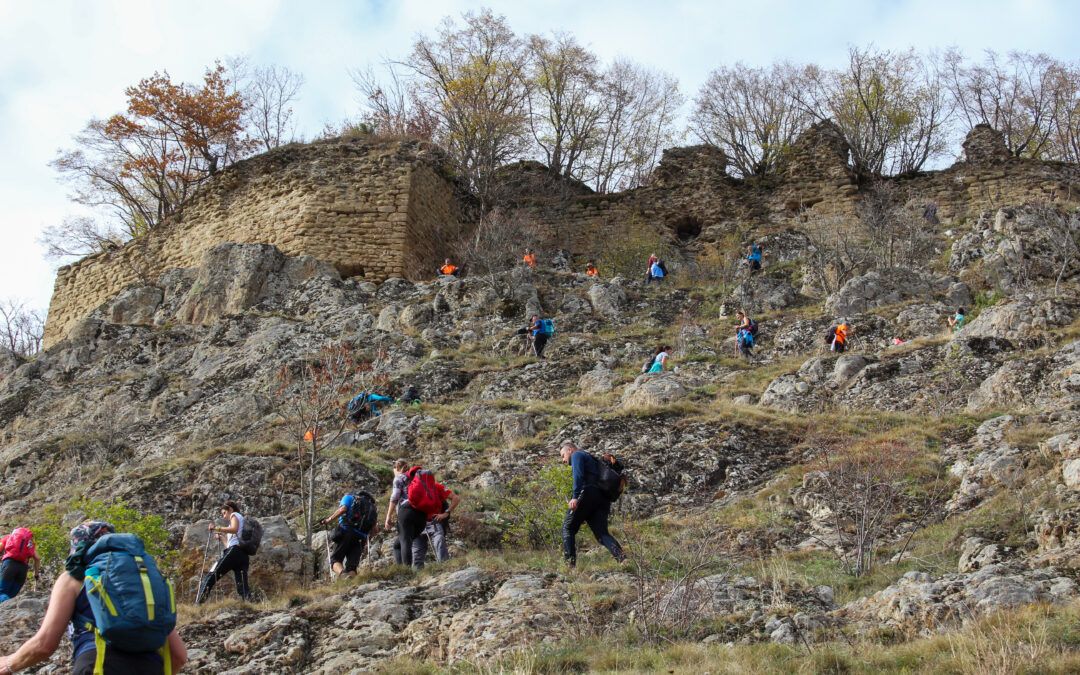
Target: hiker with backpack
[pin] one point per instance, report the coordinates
(416, 497)
(542, 330)
(837, 337)
(364, 406)
(955, 322)
(656, 272)
(745, 333)
(112, 601)
(659, 359)
(590, 501)
(436, 532)
(358, 519)
(235, 558)
(17, 550)
(753, 257)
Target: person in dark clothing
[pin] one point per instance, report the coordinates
(352, 543)
(410, 522)
(587, 505)
(540, 336)
(69, 612)
(234, 559)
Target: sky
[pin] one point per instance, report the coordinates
(65, 62)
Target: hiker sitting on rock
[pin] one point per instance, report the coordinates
(660, 359)
(587, 505)
(448, 269)
(591, 270)
(958, 320)
(233, 559)
(529, 258)
(69, 612)
(17, 550)
(358, 519)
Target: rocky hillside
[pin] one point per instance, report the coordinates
(165, 397)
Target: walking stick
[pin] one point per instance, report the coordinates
(206, 549)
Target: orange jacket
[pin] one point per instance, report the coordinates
(841, 333)
(593, 272)
(530, 259)
(448, 269)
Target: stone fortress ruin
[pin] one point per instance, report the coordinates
(379, 208)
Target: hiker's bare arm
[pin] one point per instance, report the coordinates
(233, 527)
(454, 501)
(335, 514)
(177, 651)
(390, 510)
(53, 626)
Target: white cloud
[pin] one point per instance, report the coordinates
(64, 62)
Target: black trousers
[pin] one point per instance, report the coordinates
(538, 344)
(349, 550)
(592, 508)
(410, 525)
(234, 560)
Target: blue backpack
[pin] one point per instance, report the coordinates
(746, 338)
(547, 327)
(134, 606)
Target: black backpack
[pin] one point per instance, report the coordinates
(753, 327)
(830, 336)
(250, 536)
(610, 478)
(663, 268)
(363, 513)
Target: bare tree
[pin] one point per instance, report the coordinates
(890, 107)
(839, 249)
(270, 92)
(21, 327)
(751, 114)
(473, 77)
(496, 244)
(863, 487)
(308, 398)
(392, 104)
(898, 234)
(79, 236)
(637, 122)
(563, 105)
(1016, 94)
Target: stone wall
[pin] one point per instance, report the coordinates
(372, 209)
(382, 209)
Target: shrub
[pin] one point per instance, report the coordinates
(534, 508)
(51, 533)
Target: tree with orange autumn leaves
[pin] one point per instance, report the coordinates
(145, 162)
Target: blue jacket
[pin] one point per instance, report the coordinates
(585, 470)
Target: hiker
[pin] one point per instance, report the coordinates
(897, 341)
(233, 559)
(448, 269)
(656, 272)
(529, 258)
(837, 337)
(541, 331)
(929, 214)
(591, 270)
(69, 612)
(435, 531)
(411, 395)
(358, 519)
(648, 267)
(363, 406)
(659, 359)
(587, 505)
(17, 550)
(753, 257)
(744, 343)
(747, 324)
(415, 485)
(956, 321)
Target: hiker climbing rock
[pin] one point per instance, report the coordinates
(956, 321)
(588, 504)
(529, 258)
(233, 559)
(448, 269)
(753, 257)
(745, 333)
(17, 550)
(591, 270)
(364, 406)
(435, 531)
(358, 519)
(837, 337)
(415, 498)
(130, 634)
(541, 331)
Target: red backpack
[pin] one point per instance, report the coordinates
(19, 545)
(423, 495)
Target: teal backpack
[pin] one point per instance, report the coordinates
(547, 327)
(134, 607)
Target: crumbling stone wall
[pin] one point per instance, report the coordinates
(370, 208)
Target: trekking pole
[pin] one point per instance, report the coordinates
(202, 572)
(329, 564)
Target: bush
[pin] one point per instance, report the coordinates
(51, 535)
(535, 508)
